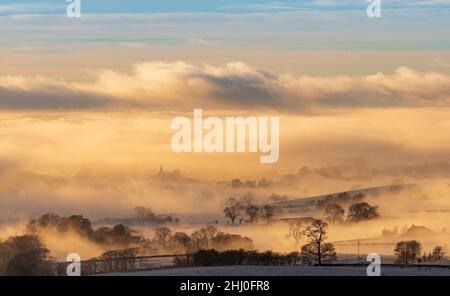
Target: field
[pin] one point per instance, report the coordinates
(290, 271)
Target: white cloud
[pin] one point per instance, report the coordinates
(180, 86)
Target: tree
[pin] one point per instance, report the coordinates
(203, 237)
(252, 211)
(145, 214)
(233, 209)
(236, 183)
(46, 221)
(313, 253)
(32, 263)
(316, 251)
(210, 232)
(162, 235)
(408, 251)
(205, 258)
(180, 242)
(76, 223)
(438, 253)
(25, 255)
(362, 211)
(334, 213)
(247, 199)
(22, 244)
(296, 232)
(226, 241)
(267, 212)
(292, 258)
(199, 240)
(140, 211)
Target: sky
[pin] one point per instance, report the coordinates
(237, 6)
(99, 91)
(308, 37)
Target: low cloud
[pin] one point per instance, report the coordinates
(161, 86)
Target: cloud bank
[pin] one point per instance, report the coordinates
(182, 86)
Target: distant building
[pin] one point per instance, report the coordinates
(169, 175)
(418, 231)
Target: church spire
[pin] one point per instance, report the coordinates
(161, 171)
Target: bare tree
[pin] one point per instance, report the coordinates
(162, 235)
(317, 251)
(211, 232)
(296, 232)
(180, 242)
(334, 213)
(233, 209)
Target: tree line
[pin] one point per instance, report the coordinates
(237, 257)
(28, 255)
(356, 212)
(408, 252)
(244, 210)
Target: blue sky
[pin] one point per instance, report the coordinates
(234, 6)
(260, 32)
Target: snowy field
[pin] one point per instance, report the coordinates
(289, 271)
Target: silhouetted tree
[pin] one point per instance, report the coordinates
(225, 241)
(408, 251)
(76, 223)
(252, 211)
(162, 235)
(205, 258)
(32, 263)
(292, 258)
(317, 251)
(362, 211)
(267, 212)
(25, 255)
(438, 253)
(233, 209)
(119, 260)
(180, 242)
(296, 232)
(118, 235)
(334, 213)
(46, 221)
